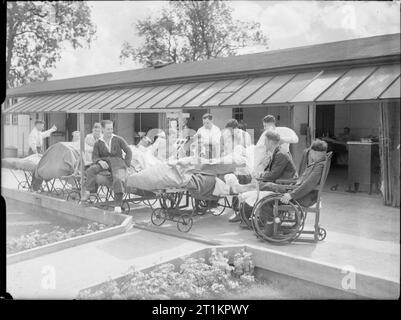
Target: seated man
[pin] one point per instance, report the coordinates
(108, 156)
(304, 189)
(281, 165)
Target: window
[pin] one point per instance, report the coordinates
(15, 119)
(238, 113)
(8, 118)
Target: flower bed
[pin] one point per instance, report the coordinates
(194, 279)
(35, 239)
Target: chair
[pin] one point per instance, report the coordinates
(292, 215)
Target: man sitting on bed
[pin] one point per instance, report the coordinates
(108, 156)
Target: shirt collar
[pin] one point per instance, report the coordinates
(102, 137)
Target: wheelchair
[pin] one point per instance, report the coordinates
(280, 223)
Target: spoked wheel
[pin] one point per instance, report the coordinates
(74, 196)
(159, 216)
(125, 207)
(322, 233)
(275, 222)
(184, 223)
(215, 207)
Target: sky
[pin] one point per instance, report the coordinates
(286, 23)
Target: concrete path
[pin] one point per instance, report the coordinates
(362, 234)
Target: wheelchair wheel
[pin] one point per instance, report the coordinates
(158, 216)
(93, 199)
(275, 222)
(184, 223)
(322, 233)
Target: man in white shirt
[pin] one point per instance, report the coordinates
(207, 138)
(37, 135)
(287, 135)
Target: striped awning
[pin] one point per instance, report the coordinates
(352, 84)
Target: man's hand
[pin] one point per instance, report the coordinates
(54, 128)
(286, 198)
(103, 164)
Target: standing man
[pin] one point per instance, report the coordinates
(37, 135)
(108, 156)
(207, 138)
(287, 135)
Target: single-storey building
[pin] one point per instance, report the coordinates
(317, 90)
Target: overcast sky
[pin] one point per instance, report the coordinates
(287, 24)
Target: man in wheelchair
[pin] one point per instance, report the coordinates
(303, 190)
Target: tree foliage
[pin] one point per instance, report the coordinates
(192, 31)
(36, 32)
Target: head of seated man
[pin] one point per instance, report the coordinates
(318, 150)
(280, 165)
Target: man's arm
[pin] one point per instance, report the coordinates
(128, 152)
(96, 152)
(309, 184)
(279, 163)
(46, 134)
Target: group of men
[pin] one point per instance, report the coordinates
(108, 152)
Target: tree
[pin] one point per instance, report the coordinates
(36, 32)
(192, 31)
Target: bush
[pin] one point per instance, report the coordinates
(194, 279)
(35, 239)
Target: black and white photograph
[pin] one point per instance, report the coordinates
(227, 151)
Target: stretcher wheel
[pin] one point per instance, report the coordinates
(275, 222)
(74, 196)
(158, 216)
(125, 206)
(184, 223)
(322, 233)
(221, 205)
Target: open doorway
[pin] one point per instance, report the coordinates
(352, 133)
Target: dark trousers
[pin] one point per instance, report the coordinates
(117, 178)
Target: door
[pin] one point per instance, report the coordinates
(71, 125)
(325, 120)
